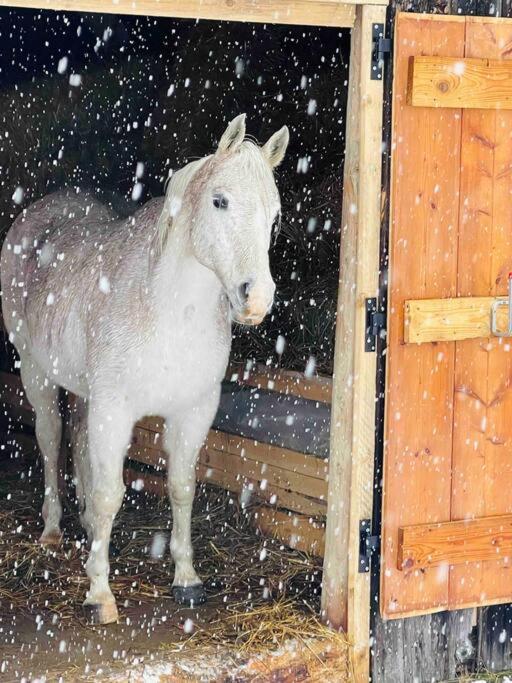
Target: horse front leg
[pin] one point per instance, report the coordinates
(185, 434)
(109, 431)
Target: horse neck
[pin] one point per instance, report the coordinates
(182, 281)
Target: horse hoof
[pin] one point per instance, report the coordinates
(51, 538)
(191, 596)
(96, 614)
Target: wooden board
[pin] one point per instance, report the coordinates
(440, 320)
(295, 531)
(285, 458)
(346, 592)
(318, 388)
(448, 426)
(423, 264)
(482, 439)
(473, 540)
(253, 491)
(460, 83)
(302, 12)
(284, 478)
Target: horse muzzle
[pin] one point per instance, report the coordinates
(251, 303)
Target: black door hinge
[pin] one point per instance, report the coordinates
(375, 324)
(381, 47)
(368, 545)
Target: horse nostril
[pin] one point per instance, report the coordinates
(244, 290)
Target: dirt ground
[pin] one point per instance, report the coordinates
(47, 648)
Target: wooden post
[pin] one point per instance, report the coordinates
(346, 593)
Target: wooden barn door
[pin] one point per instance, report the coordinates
(447, 505)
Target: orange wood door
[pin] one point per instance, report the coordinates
(448, 441)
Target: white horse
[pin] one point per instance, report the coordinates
(134, 317)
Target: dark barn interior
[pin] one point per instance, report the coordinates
(113, 104)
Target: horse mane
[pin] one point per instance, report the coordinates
(176, 185)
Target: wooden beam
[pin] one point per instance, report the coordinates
(286, 479)
(317, 388)
(295, 531)
(460, 83)
(302, 12)
(266, 453)
(450, 543)
(263, 472)
(270, 494)
(346, 593)
(144, 439)
(441, 320)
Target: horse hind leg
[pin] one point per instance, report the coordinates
(108, 434)
(81, 465)
(44, 398)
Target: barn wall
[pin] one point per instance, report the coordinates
(438, 646)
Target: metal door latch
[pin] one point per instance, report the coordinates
(496, 305)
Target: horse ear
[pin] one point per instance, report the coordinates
(275, 148)
(233, 135)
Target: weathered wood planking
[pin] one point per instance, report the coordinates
(441, 320)
(482, 443)
(302, 12)
(254, 491)
(274, 475)
(318, 388)
(473, 540)
(460, 83)
(423, 648)
(423, 258)
(295, 530)
(266, 453)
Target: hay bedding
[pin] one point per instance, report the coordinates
(261, 594)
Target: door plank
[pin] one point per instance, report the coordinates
(474, 540)
(423, 244)
(460, 83)
(482, 463)
(433, 320)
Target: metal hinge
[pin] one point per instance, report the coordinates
(381, 47)
(375, 323)
(368, 545)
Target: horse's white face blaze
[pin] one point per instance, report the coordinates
(232, 204)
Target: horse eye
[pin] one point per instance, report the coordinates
(220, 202)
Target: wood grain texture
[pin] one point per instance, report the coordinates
(459, 318)
(421, 648)
(303, 12)
(482, 443)
(296, 531)
(346, 593)
(461, 83)
(423, 263)
(287, 382)
(465, 541)
(265, 474)
(286, 479)
(253, 491)
(266, 453)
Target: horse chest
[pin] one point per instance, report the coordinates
(180, 363)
